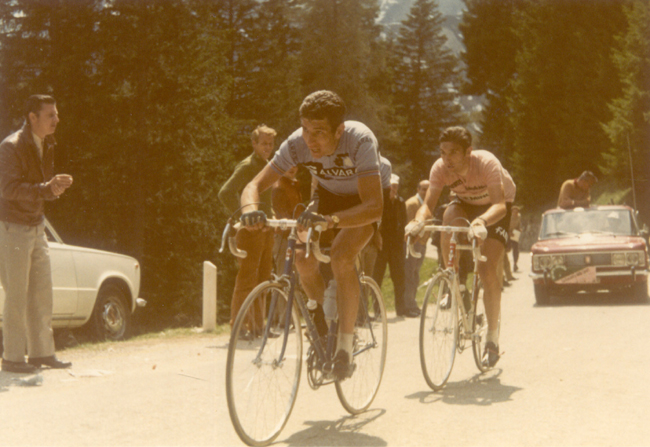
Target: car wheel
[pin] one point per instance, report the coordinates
(111, 319)
(542, 295)
(640, 291)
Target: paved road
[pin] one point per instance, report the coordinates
(572, 374)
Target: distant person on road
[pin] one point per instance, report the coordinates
(27, 180)
(258, 265)
(412, 264)
(515, 234)
(576, 192)
(392, 251)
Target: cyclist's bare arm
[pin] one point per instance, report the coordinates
(370, 208)
(498, 210)
(250, 196)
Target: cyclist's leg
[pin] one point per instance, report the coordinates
(310, 276)
(346, 246)
(488, 271)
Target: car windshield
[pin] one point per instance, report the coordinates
(571, 223)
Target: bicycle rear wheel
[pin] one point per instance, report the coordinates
(438, 331)
(370, 337)
(261, 382)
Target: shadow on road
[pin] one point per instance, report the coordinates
(344, 431)
(482, 389)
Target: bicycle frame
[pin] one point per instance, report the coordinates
(452, 271)
(288, 279)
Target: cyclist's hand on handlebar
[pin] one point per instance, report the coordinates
(309, 219)
(414, 229)
(253, 220)
(477, 230)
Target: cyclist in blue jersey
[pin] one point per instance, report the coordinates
(344, 158)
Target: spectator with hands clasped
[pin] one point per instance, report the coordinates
(485, 192)
(27, 180)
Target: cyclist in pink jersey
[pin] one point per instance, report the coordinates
(485, 192)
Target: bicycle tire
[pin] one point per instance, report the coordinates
(438, 331)
(370, 333)
(479, 335)
(261, 391)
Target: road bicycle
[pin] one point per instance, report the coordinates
(265, 352)
(443, 308)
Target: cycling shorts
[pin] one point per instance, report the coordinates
(498, 230)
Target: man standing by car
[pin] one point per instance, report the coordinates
(576, 192)
(26, 180)
(258, 265)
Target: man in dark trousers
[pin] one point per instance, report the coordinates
(393, 221)
(27, 180)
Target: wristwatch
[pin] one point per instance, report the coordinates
(335, 221)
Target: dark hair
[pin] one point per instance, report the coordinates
(35, 102)
(588, 176)
(458, 135)
(323, 104)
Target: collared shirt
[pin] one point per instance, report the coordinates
(39, 144)
(245, 171)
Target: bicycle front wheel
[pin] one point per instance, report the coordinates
(479, 335)
(262, 371)
(370, 338)
(438, 331)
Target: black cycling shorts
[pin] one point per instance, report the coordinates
(499, 230)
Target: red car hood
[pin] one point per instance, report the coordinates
(590, 242)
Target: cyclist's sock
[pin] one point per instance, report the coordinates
(493, 336)
(345, 342)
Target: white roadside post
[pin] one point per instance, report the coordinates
(209, 296)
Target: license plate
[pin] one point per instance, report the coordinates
(586, 275)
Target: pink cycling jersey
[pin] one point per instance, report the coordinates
(484, 170)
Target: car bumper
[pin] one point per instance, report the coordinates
(615, 277)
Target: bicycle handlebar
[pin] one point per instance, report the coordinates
(230, 232)
(476, 249)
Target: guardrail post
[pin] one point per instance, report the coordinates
(209, 296)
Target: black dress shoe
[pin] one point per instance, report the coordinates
(50, 361)
(412, 313)
(18, 367)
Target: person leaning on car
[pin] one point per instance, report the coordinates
(26, 180)
(576, 192)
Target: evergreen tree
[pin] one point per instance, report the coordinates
(629, 129)
(489, 56)
(274, 54)
(338, 38)
(426, 83)
(141, 93)
(564, 80)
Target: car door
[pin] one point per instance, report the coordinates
(64, 281)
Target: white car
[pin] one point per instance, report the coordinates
(91, 287)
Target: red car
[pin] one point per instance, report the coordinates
(589, 249)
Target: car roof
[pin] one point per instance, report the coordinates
(591, 208)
